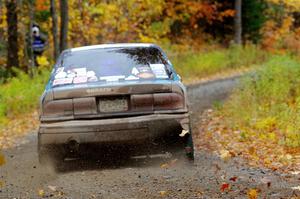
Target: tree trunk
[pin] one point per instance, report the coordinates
(30, 38)
(238, 22)
(64, 24)
(54, 29)
(12, 33)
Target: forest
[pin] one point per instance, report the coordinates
(207, 41)
(178, 25)
(203, 38)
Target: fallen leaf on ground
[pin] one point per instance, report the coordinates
(173, 162)
(214, 134)
(164, 166)
(252, 150)
(224, 187)
(15, 128)
(218, 168)
(199, 194)
(41, 193)
(60, 193)
(2, 159)
(296, 188)
(225, 155)
(252, 194)
(233, 179)
(163, 193)
(266, 180)
(52, 188)
(168, 164)
(295, 172)
(288, 156)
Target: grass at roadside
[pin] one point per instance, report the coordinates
(261, 119)
(268, 103)
(196, 65)
(20, 94)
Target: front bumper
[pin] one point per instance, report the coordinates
(129, 129)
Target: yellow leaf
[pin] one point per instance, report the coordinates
(225, 155)
(164, 166)
(2, 159)
(296, 188)
(252, 194)
(163, 193)
(42, 61)
(288, 157)
(41, 193)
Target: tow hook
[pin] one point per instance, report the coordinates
(183, 133)
(185, 127)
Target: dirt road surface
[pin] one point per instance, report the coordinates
(166, 174)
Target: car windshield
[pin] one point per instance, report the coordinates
(110, 64)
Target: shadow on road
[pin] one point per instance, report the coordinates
(115, 157)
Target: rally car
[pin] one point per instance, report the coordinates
(111, 94)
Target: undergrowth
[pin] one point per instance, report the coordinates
(267, 103)
(195, 65)
(21, 93)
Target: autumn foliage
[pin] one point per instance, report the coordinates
(94, 22)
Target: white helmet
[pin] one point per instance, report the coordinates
(35, 31)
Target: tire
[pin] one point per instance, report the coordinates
(189, 145)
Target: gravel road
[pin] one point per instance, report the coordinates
(166, 174)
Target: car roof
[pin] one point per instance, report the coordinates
(115, 45)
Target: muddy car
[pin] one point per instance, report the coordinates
(111, 94)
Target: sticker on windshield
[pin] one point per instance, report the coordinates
(144, 72)
(60, 69)
(62, 81)
(112, 78)
(60, 75)
(80, 72)
(159, 70)
(92, 79)
(134, 71)
(146, 75)
(78, 80)
(90, 74)
(144, 69)
(71, 74)
(131, 77)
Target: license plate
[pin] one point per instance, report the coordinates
(113, 104)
